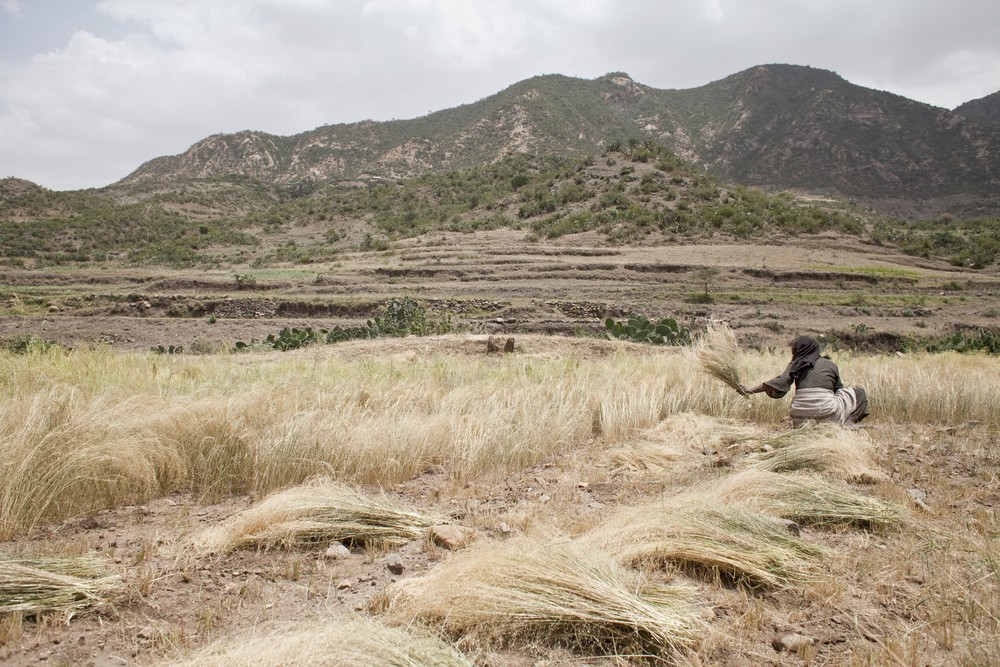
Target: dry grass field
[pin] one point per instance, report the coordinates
(419, 501)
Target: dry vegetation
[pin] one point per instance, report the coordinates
(626, 506)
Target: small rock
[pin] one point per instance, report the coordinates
(792, 642)
(453, 537)
(767, 449)
(88, 523)
(503, 527)
(394, 564)
(344, 584)
(147, 632)
(336, 551)
(919, 498)
(787, 524)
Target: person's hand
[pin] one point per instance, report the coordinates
(742, 390)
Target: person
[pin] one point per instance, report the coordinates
(819, 394)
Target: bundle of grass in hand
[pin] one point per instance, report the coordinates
(805, 498)
(52, 585)
(708, 537)
(356, 642)
(719, 354)
(560, 593)
(319, 512)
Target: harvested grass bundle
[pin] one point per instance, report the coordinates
(805, 498)
(560, 593)
(321, 511)
(707, 536)
(50, 585)
(356, 642)
(831, 450)
(677, 439)
(719, 354)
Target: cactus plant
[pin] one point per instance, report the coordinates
(640, 329)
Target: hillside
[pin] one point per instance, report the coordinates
(774, 126)
(985, 110)
(633, 193)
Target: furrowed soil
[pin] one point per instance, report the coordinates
(500, 283)
(881, 604)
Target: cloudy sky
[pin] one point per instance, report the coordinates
(90, 89)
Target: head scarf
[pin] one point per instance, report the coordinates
(805, 352)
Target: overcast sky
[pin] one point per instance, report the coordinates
(91, 89)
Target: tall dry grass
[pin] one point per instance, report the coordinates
(63, 453)
(97, 428)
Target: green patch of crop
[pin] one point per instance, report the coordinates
(874, 271)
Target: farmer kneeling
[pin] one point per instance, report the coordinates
(819, 394)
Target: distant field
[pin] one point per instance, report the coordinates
(501, 283)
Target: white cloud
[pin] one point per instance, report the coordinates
(90, 110)
(12, 7)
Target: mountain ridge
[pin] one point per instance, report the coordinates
(771, 126)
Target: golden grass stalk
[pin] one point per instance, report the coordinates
(48, 585)
(805, 498)
(337, 642)
(719, 354)
(559, 593)
(318, 512)
(708, 537)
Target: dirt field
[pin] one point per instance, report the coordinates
(500, 283)
(880, 604)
